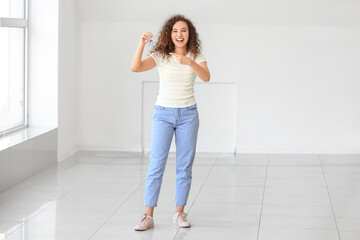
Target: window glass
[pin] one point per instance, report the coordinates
(12, 78)
(12, 8)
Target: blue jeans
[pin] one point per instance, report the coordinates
(184, 122)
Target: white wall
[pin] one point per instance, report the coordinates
(294, 67)
(68, 81)
(298, 90)
(43, 64)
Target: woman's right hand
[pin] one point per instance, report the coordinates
(138, 65)
(145, 38)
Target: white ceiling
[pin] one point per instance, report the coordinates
(299, 12)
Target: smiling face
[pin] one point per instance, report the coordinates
(180, 34)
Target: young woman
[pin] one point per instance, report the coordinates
(178, 59)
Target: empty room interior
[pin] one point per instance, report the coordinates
(274, 86)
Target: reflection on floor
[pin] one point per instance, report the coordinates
(99, 195)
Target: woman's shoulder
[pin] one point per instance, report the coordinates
(155, 55)
(158, 57)
(199, 58)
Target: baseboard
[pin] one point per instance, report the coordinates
(72, 151)
(147, 149)
(203, 149)
(110, 148)
(297, 151)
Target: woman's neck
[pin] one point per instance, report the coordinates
(181, 51)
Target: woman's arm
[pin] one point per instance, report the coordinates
(200, 69)
(138, 65)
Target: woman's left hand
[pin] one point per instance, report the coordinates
(182, 59)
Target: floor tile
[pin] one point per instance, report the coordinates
(340, 159)
(213, 232)
(234, 210)
(243, 159)
(279, 209)
(294, 222)
(296, 234)
(115, 231)
(347, 235)
(100, 195)
(231, 195)
(296, 196)
(294, 159)
(348, 224)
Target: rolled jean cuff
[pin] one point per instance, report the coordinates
(150, 205)
(181, 204)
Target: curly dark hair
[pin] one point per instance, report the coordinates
(165, 45)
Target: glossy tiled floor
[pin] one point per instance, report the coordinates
(98, 195)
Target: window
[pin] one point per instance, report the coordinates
(13, 28)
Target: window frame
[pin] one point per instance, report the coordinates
(20, 23)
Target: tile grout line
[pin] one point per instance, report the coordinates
(117, 209)
(89, 176)
(29, 219)
(262, 202)
(62, 195)
(327, 188)
(197, 195)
